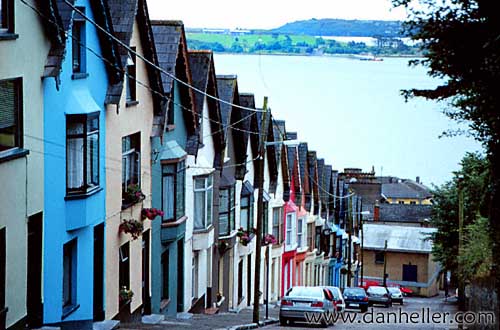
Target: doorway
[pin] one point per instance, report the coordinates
(99, 272)
(34, 305)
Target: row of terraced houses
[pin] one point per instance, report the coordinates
(129, 177)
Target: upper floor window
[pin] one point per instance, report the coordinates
(300, 232)
(289, 228)
(379, 257)
(246, 212)
(78, 42)
(6, 16)
(277, 222)
(131, 77)
(226, 210)
(82, 153)
(131, 167)
(11, 131)
(173, 185)
(265, 218)
(310, 236)
(203, 190)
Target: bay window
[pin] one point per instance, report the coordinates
(277, 214)
(226, 210)
(82, 153)
(300, 235)
(246, 212)
(289, 228)
(203, 191)
(173, 194)
(131, 166)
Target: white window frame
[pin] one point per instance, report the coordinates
(207, 192)
(300, 232)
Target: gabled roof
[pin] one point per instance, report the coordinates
(313, 175)
(404, 189)
(173, 59)
(272, 161)
(203, 75)
(124, 14)
(59, 15)
(303, 170)
(321, 179)
(293, 170)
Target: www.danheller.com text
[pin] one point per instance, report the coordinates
(422, 316)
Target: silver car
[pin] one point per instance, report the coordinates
(396, 295)
(300, 300)
(379, 295)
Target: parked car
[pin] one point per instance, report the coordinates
(305, 299)
(338, 298)
(379, 295)
(396, 294)
(356, 298)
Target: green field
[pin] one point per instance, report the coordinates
(249, 40)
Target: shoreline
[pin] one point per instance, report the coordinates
(350, 56)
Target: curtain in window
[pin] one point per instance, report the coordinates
(75, 149)
(93, 160)
(7, 114)
(199, 209)
(168, 197)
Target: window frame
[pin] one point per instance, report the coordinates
(135, 149)
(207, 191)
(290, 221)
(7, 20)
(300, 231)
(79, 42)
(18, 113)
(231, 210)
(178, 173)
(246, 224)
(379, 257)
(131, 90)
(265, 218)
(83, 119)
(277, 227)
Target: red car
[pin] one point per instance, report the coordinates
(368, 283)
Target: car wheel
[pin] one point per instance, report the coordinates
(283, 321)
(364, 309)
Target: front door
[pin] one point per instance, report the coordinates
(34, 280)
(99, 272)
(146, 298)
(180, 276)
(410, 273)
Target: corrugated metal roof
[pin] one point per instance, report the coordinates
(399, 238)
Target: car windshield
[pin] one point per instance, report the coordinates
(356, 291)
(394, 290)
(377, 289)
(302, 291)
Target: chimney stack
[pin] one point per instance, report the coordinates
(418, 179)
(376, 212)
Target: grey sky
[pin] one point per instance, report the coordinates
(268, 13)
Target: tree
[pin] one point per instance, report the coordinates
(461, 42)
(475, 174)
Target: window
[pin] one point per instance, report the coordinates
(317, 239)
(246, 212)
(131, 165)
(265, 218)
(6, 16)
(11, 131)
(226, 210)
(203, 191)
(174, 177)
(165, 261)
(413, 202)
(82, 153)
(289, 228)
(131, 76)
(277, 224)
(379, 257)
(78, 42)
(300, 225)
(69, 275)
(124, 268)
(310, 236)
(410, 273)
(401, 202)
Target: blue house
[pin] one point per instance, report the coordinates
(179, 138)
(82, 64)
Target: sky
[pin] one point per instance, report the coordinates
(265, 14)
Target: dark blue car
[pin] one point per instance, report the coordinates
(356, 298)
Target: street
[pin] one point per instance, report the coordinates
(369, 320)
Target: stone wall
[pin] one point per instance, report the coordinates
(482, 297)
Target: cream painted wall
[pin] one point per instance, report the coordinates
(22, 179)
(129, 120)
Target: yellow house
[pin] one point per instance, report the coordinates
(405, 191)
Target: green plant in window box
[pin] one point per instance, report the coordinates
(132, 227)
(132, 195)
(245, 235)
(125, 295)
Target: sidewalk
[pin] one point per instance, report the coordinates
(206, 322)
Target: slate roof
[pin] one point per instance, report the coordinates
(302, 149)
(203, 76)
(227, 87)
(291, 135)
(404, 212)
(404, 189)
(59, 17)
(292, 166)
(173, 58)
(399, 238)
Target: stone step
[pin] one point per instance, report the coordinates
(106, 325)
(153, 318)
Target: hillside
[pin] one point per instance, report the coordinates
(341, 27)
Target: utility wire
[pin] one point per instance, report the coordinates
(128, 48)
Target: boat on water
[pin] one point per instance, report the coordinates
(369, 58)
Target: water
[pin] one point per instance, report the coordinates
(352, 113)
